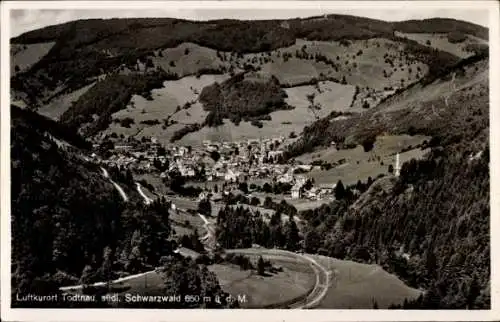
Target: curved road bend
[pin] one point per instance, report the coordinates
(322, 275)
(147, 200)
(312, 299)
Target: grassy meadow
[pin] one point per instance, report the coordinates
(356, 286)
(24, 56)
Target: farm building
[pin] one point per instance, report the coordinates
(296, 192)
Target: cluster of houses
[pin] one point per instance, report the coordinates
(230, 162)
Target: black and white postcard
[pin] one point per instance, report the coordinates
(306, 160)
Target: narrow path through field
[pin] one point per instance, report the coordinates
(209, 238)
(453, 89)
(434, 111)
(120, 190)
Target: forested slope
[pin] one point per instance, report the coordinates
(70, 225)
(435, 106)
(430, 226)
(85, 49)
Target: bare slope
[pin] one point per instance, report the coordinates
(461, 47)
(56, 107)
(189, 59)
(22, 57)
(175, 102)
(88, 48)
(437, 106)
(359, 286)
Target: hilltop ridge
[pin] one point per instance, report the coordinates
(140, 138)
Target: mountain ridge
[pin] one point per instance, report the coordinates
(414, 25)
(88, 49)
(347, 82)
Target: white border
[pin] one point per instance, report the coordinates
(244, 315)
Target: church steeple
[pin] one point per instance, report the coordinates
(397, 168)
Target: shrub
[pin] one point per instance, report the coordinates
(456, 37)
(257, 123)
(368, 143)
(184, 131)
(150, 122)
(126, 122)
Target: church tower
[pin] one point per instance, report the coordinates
(397, 167)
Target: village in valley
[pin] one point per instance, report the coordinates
(330, 161)
(218, 168)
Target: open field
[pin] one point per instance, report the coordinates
(329, 95)
(372, 59)
(333, 97)
(187, 59)
(365, 70)
(296, 281)
(194, 114)
(24, 56)
(440, 41)
(181, 230)
(346, 285)
(419, 98)
(139, 109)
(180, 219)
(386, 145)
(362, 63)
(356, 285)
(183, 203)
(147, 284)
(350, 173)
(295, 70)
(168, 102)
(155, 180)
(231, 132)
(305, 204)
(56, 107)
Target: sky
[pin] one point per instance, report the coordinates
(30, 19)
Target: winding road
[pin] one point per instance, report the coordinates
(309, 300)
(323, 276)
(124, 196)
(208, 239)
(147, 200)
(120, 190)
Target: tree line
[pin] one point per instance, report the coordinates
(240, 99)
(70, 226)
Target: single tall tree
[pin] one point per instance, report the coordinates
(260, 266)
(339, 190)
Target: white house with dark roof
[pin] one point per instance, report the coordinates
(296, 192)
